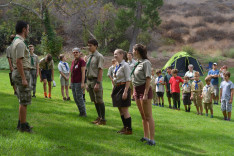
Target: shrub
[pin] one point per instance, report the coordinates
(4, 63)
(215, 19)
(200, 24)
(175, 36)
(144, 38)
(197, 12)
(190, 50)
(229, 53)
(172, 25)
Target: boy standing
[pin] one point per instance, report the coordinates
(64, 71)
(159, 82)
(186, 88)
(196, 93)
(46, 73)
(207, 95)
(34, 69)
(167, 84)
(152, 84)
(214, 73)
(175, 88)
(226, 95)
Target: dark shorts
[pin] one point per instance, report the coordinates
(139, 92)
(169, 95)
(186, 99)
(176, 96)
(11, 81)
(117, 94)
(46, 74)
(160, 94)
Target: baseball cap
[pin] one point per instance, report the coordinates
(215, 64)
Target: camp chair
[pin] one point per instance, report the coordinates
(209, 67)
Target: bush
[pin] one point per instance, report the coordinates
(200, 24)
(144, 38)
(215, 19)
(168, 41)
(172, 25)
(175, 36)
(4, 63)
(190, 50)
(229, 53)
(197, 12)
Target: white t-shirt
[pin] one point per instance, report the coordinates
(159, 86)
(63, 68)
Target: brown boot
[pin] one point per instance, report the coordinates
(127, 131)
(122, 130)
(101, 122)
(96, 121)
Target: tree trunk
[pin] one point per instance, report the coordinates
(136, 28)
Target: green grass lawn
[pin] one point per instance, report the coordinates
(59, 131)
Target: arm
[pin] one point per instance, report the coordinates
(96, 87)
(20, 69)
(63, 75)
(83, 76)
(147, 86)
(125, 93)
(10, 64)
(221, 91)
(232, 93)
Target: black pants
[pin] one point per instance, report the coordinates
(176, 100)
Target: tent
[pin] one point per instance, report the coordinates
(180, 61)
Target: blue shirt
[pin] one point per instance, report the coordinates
(226, 89)
(214, 81)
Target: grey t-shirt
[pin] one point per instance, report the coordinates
(226, 89)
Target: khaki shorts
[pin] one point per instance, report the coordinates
(96, 97)
(208, 105)
(63, 81)
(23, 93)
(197, 100)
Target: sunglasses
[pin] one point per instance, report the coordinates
(75, 52)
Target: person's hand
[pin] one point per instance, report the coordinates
(82, 85)
(191, 98)
(67, 78)
(96, 87)
(145, 97)
(11, 69)
(125, 95)
(25, 83)
(230, 102)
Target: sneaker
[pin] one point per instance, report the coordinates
(45, 96)
(144, 139)
(151, 143)
(160, 105)
(122, 130)
(170, 107)
(186, 110)
(34, 96)
(201, 113)
(25, 128)
(68, 99)
(156, 104)
(224, 118)
(127, 131)
(206, 114)
(96, 121)
(83, 115)
(211, 116)
(101, 122)
(228, 119)
(64, 99)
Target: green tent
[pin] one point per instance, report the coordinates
(180, 61)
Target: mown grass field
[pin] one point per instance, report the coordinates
(59, 131)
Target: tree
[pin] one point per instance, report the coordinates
(143, 14)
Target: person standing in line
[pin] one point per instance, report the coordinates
(111, 71)
(9, 58)
(64, 71)
(46, 73)
(190, 73)
(214, 73)
(121, 94)
(186, 89)
(34, 69)
(153, 86)
(168, 86)
(94, 66)
(207, 96)
(78, 81)
(21, 73)
(143, 94)
(84, 57)
(159, 82)
(131, 63)
(222, 71)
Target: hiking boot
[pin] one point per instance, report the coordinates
(96, 121)
(159, 105)
(82, 115)
(151, 143)
(122, 130)
(162, 105)
(170, 107)
(34, 96)
(189, 110)
(156, 104)
(25, 128)
(101, 122)
(127, 131)
(68, 99)
(64, 99)
(143, 139)
(45, 96)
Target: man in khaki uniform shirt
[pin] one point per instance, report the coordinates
(34, 69)
(21, 73)
(94, 73)
(9, 57)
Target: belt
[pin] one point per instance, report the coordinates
(92, 78)
(121, 83)
(27, 69)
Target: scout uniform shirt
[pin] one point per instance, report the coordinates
(132, 64)
(152, 82)
(207, 92)
(186, 88)
(141, 72)
(8, 52)
(45, 65)
(95, 61)
(122, 73)
(111, 71)
(20, 50)
(197, 87)
(63, 67)
(34, 61)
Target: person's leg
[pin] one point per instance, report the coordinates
(162, 101)
(49, 85)
(23, 113)
(81, 104)
(67, 91)
(206, 108)
(147, 108)
(201, 108)
(225, 115)
(44, 87)
(99, 100)
(34, 82)
(122, 116)
(159, 101)
(128, 120)
(229, 115)
(185, 107)
(144, 122)
(62, 91)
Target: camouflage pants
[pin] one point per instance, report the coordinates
(24, 93)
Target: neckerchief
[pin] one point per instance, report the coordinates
(88, 64)
(196, 84)
(64, 63)
(20, 39)
(159, 79)
(117, 68)
(134, 68)
(32, 61)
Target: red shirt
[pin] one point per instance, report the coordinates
(175, 84)
(76, 74)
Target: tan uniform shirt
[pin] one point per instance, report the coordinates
(186, 88)
(20, 50)
(123, 73)
(43, 63)
(142, 71)
(152, 82)
(132, 64)
(207, 92)
(8, 52)
(96, 62)
(200, 87)
(35, 61)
